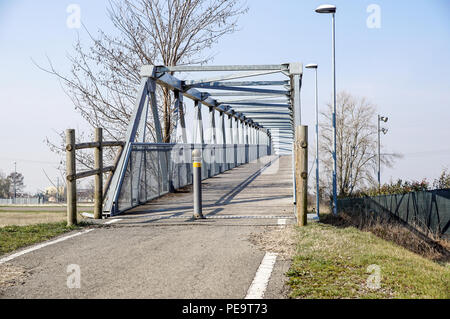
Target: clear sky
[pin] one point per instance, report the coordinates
(403, 67)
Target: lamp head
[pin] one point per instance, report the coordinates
(311, 66)
(326, 8)
(384, 119)
(384, 130)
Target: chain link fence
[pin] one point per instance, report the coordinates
(153, 170)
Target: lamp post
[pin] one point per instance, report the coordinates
(314, 66)
(326, 8)
(384, 131)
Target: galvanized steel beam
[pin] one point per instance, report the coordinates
(223, 68)
(238, 83)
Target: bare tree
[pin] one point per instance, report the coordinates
(356, 144)
(104, 77)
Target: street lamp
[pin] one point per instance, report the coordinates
(314, 66)
(384, 131)
(327, 8)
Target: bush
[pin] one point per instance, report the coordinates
(398, 187)
(443, 181)
(403, 187)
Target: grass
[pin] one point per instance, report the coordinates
(332, 261)
(15, 237)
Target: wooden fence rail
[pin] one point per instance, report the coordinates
(98, 171)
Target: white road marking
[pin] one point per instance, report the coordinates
(39, 246)
(261, 280)
(282, 221)
(112, 221)
(245, 217)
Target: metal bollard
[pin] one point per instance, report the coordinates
(197, 183)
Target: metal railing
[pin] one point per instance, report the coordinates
(153, 170)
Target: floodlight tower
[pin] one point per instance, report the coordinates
(384, 131)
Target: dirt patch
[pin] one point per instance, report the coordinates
(23, 219)
(281, 240)
(12, 275)
(32, 215)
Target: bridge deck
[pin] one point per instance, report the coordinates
(260, 190)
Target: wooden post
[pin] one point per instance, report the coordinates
(98, 183)
(301, 173)
(71, 181)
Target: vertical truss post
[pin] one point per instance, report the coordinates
(247, 127)
(181, 123)
(252, 135)
(154, 107)
(198, 124)
(213, 142)
(180, 108)
(230, 149)
(257, 142)
(223, 141)
(266, 144)
(236, 142)
(244, 148)
(247, 147)
(239, 132)
(230, 133)
(222, 129)
(236, 132)
(163, 158)
(269, 145)
(213, 126)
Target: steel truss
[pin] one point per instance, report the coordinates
(265, 112)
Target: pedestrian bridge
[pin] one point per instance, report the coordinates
(253, 132)
(256, 193)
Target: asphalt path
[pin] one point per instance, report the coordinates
(158, 251)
